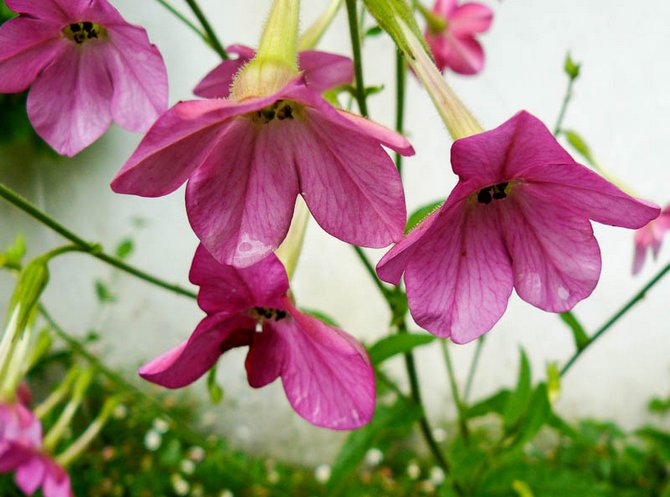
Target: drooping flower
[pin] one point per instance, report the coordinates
(650, 237)
(518, 217)
(453, 43)
(321, 70)
(248, 157)
(85, 66)
(21, 452)
(326, 373)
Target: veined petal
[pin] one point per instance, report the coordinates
(267, 357)
(584, 192)
(27, 46)
(324, 70)
(52, 10)
(327, 375)
(240, 202)
(555, 256)
(230, 289)
(444, 8)
(462, 54)
(138, 76)
(56, 482)
(218, 81)
(349, 183)
(68, 105)
(520, 144)
(470, 18)
(459, 277)
(29, 476)
(187, 362)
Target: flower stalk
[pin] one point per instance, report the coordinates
(312, 35)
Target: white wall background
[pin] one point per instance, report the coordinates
(621, 106)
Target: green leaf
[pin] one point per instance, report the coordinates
(420, 214)
(578, 334)
(537, 414)
(578, 143)
(321, 316)
(553, 382)
(570, 67)
(386, 418)
(389, 14)
(103, 292)
(518, 402)
(12, 257)
(373, 31)
(373, 90)
(522, 489)
(494, 404)
(393, 345)
(215, 391)
(125, 248)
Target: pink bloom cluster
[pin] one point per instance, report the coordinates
(649, 238)
(21, 451)
(455, 47)
(327, 375)
(85, 66)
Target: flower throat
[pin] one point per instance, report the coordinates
(83, 31)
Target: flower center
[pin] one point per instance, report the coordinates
(494, 192)
(280, 110)
(267, 313)
(80, 32)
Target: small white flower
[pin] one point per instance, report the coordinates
(413, 470)
(196, 454)
(187, 466)
(161, 426)
(226, 493)
(440, 435)
(181, 487)
(374, 457)
(152, 440)
(436, 475)
(120, 411)
(322, 473)
(273, 477)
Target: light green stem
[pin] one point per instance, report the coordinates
(312, 35)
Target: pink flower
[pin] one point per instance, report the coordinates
(518, 217)
(85, 66)
(327, 375)
(322, 71)
(21, 451)
(455, 46)
(650, 237)
(246, 161)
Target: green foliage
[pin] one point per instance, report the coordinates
(578, 143)
(321, 316)
(578, 333)
(12, 257)
(420, 214)
(102, 291)
(215, 391)
(571, 68)
(125, 248)
(393, 345)
(389, 14)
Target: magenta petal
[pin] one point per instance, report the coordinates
(173, 148)
(267, 356)
(463, 54)
(226, 288)
(53, 10)
(444, 8)
(639, 257)
(56, 482)
(555, 256)
(187, 362)
(324, 70)
(217, 82)
(29, 476)
(138, 76)
(68, 104)
(470, 18)
(240, 202)
(26, 47)
(349, 183)
(459, 278)
(327, 375)
(382, 134)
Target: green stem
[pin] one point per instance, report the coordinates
(358, 63)
(211, 35)
(93, 249)
(604, 328)
(184, 19)
(401, 78)
(371, 270)
(473, 369)
(564, 107)
(460, 407)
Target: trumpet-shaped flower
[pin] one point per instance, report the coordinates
(454, 45)
(247, 159)
(326, 374)
(518, 217)
(650, 237)
(322, 71)
(85, 66)
(21, 451)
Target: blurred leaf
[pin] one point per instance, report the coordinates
(659, 406)
(321, 316)
(215, 391)
(536, 417)
(570, 67)
(353, 451)
(103, 292)
(125, 248)
(522, 489)
(518, 402)
(580, 146)
(494, 404)
(659, 439)
(373, 31)
(578, 334)
(389, 14)
(420, 214)
(373, 90)
(12, 257)
(553, 382)
(393, 345)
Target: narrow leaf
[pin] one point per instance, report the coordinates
(494, 404)
(578, 333)
(578, 143)
(396, 344)
(215, 391)
(103, 292)
(389, 14)
(518, 402)
(420, 214)
(125, 248)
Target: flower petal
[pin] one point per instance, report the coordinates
(327, 375)
(324, 70)
(68, 105)
(226, 288)
(218, 81)
(56, 482)
(470, 18)
(29, 476)
(459, 277)
(555, 256)
(444, 8)
(349, 183)
(51, 10)
(138, 76)
(462, 54)
(27, 46)
(190, 360)
(240, 202)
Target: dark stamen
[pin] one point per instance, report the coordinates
(484, 196)
(75, 27)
